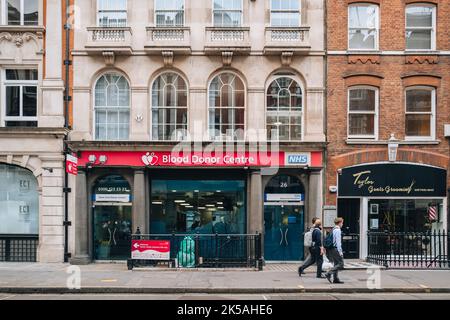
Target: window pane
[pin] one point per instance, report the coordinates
(363, 16)
(285, 19)
(29, 101)
(362, 100)
(418, 39)
(12, 101)
(362, 39)
(31, 8)
(13, 12)
(419, 100)
(361, 124)
(418, 125)
(21, 74)
(419, 16)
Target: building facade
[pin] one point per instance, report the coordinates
(388, 107)
(32, 130)
(153, 77)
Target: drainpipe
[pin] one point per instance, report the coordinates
(67, 98)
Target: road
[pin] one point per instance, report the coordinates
(306, 296)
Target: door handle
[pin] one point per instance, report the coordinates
(285, 236)
(281, 241)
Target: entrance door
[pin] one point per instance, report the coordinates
(349, 210)
(283, 226)
(112, 232)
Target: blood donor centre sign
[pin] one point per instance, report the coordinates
(204, 159)
(150, 249)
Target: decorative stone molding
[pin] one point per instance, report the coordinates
(286, 58)
(20, 38)
(369, 59)
(227, 58)
(109, 57)
(421, 59)
(168, 58)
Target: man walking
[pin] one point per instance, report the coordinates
(316, 250)
(333, 245)
(308, 244)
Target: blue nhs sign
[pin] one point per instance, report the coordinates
(297, 159)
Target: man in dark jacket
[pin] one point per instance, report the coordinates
(316, 250)
(310, 254)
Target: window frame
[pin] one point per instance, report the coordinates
(95, 108)
(224, 137)
(155, 13)
(153, 107)
(4, 16)
(432, 135)
(20, 83)
(299, 12)
(222, 26)
(302, 112)
(377, 26)
(97, 14)
(433, 26)
(375, 113)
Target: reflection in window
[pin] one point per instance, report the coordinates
(169, 13)
(363, 26)
(362, 112)
(112, 13)
(112, 107)
(22, 12)
(169, 107)
(19, 201)
(226, 107)
(284, 110)
(420, 106)
(285, 13)
(198, 206)
(227, 13)
(420, 20)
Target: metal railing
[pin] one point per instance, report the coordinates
(208, 250)
(421, 250)
(18, 248)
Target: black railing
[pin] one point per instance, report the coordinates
(18, 248)
(423, 250)
(207, 250)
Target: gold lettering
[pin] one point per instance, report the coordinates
(360, 181)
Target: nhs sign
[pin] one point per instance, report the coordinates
(297, 159)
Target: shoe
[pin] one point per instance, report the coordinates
(321, 277)
(300, 271)
(328, 276)
(338, 281)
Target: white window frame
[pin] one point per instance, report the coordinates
(98, 15)
(21, 84)
(299, 11)
(222, 26)
(166, 26)
(377, 26)
(432, 28)
(4, 17)
(432, 135)
(118, 108)
(375, 113)
(302, 112)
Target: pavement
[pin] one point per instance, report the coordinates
(114, 278)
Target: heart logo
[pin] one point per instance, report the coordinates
(150, 159)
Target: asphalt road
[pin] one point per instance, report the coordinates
(308, 296)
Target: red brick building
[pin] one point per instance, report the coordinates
(388, 82)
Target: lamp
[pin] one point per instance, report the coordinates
(392, 148)
(103, 159)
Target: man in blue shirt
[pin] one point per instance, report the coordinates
(335, 253)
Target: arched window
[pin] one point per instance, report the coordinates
(284, 110)
(112, 107)
(226, 106)
(169, 107)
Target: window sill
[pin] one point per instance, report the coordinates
(15, 28)
(359, 52)
(385, 142)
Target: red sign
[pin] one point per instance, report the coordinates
(72, 164)
(202, 159)
(150, 249)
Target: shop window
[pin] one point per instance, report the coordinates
(227, 13)
(198, 206)
(285, 13)
(363, 25)
(284, 110)
(226, 107)
(169, 13)
(420, 27)
(21, 12)
(20, 104)
(420, 113)
(112, 107)
(19, 201)
(112, 13)
(169, 107)
(362, 113)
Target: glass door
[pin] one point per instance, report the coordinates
(112, 232)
